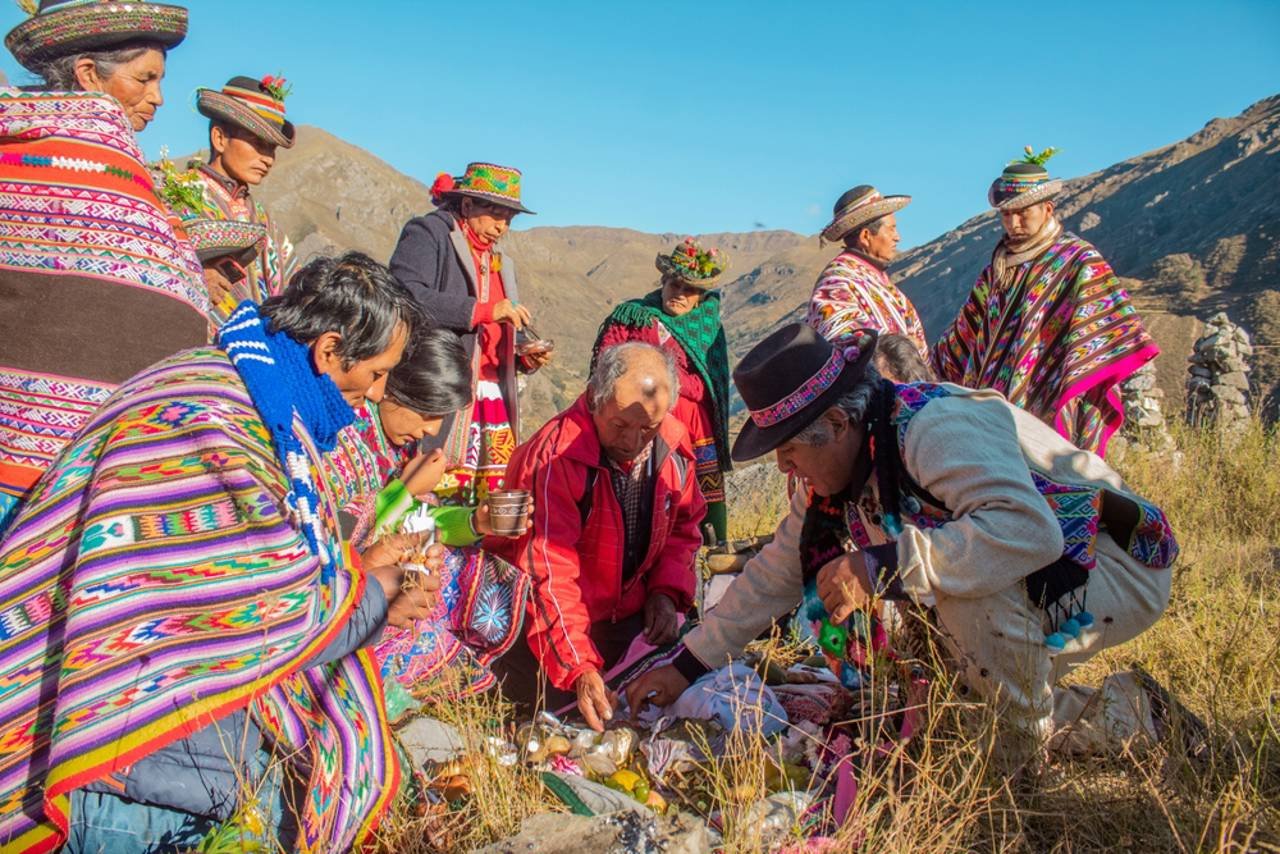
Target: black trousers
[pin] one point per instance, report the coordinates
(524, 683)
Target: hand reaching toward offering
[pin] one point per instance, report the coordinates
(595, 701)
(843, 586)
(411, 594)
(661, 686)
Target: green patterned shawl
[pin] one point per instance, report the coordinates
(701, 334)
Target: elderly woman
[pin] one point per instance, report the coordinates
(199, 652)
(450, 261)
(74, 176)
(1033, 552)
(683, 318)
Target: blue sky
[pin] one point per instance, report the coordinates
(721, 116)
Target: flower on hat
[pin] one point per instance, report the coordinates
(697, 263)
(444, 183)
(277, 87)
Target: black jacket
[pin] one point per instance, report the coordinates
(433, 261)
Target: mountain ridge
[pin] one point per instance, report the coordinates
(1190, 227)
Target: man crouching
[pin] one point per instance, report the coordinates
(614, 534)
(1033, 552)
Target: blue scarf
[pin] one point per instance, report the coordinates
(282, 382)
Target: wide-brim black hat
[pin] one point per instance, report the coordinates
(790, 378)
(61, 27)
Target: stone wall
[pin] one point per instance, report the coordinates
(1218, 380)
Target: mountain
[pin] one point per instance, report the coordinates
(1192, 228)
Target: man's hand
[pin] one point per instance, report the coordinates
(843, 586)
(660, 625)
(401, 548)
(507, 311)
(218, 286)
(537, 361)
(595, 701)
(422, 473)
(661, 686)
(411, 595)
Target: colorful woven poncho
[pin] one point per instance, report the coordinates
(156, 581)
(852, 294)
(701, 335)
(95, 283)
(1056, 335)
(268, 275)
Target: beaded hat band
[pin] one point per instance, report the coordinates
(61, 27)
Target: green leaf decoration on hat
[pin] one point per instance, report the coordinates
(1036, 159)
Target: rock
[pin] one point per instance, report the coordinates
(429, 740)
(1218, 376)
(1229, 394)
(624, 833)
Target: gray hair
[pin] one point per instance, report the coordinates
(612, 364)
(854, 403)
(851, 239)
(59, 73)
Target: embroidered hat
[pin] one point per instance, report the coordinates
(61, 27)
(1024, 182)
(857, 207)
(225, 238)
(253, 105)
(693, 265)
(487, 181)
(790, 378)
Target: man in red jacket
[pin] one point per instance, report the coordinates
(614, 533)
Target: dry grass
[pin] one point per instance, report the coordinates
(1217, 649)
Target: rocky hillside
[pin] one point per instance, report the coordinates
(1194, 228)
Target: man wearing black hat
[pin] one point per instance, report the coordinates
(1032, 551)
(247, 125)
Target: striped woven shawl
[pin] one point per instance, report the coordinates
(1056, 336)
(95, 284)
(155, 582)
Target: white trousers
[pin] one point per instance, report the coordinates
(998, 642)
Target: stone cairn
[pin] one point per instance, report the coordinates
(1218, 385)
(1144, 424)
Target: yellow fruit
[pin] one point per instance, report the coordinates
(626, 779)
(656, 802)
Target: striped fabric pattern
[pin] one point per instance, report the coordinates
(79, 223)
(852, 294)
(1057, 340)
(76, 197)
(155, 582)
